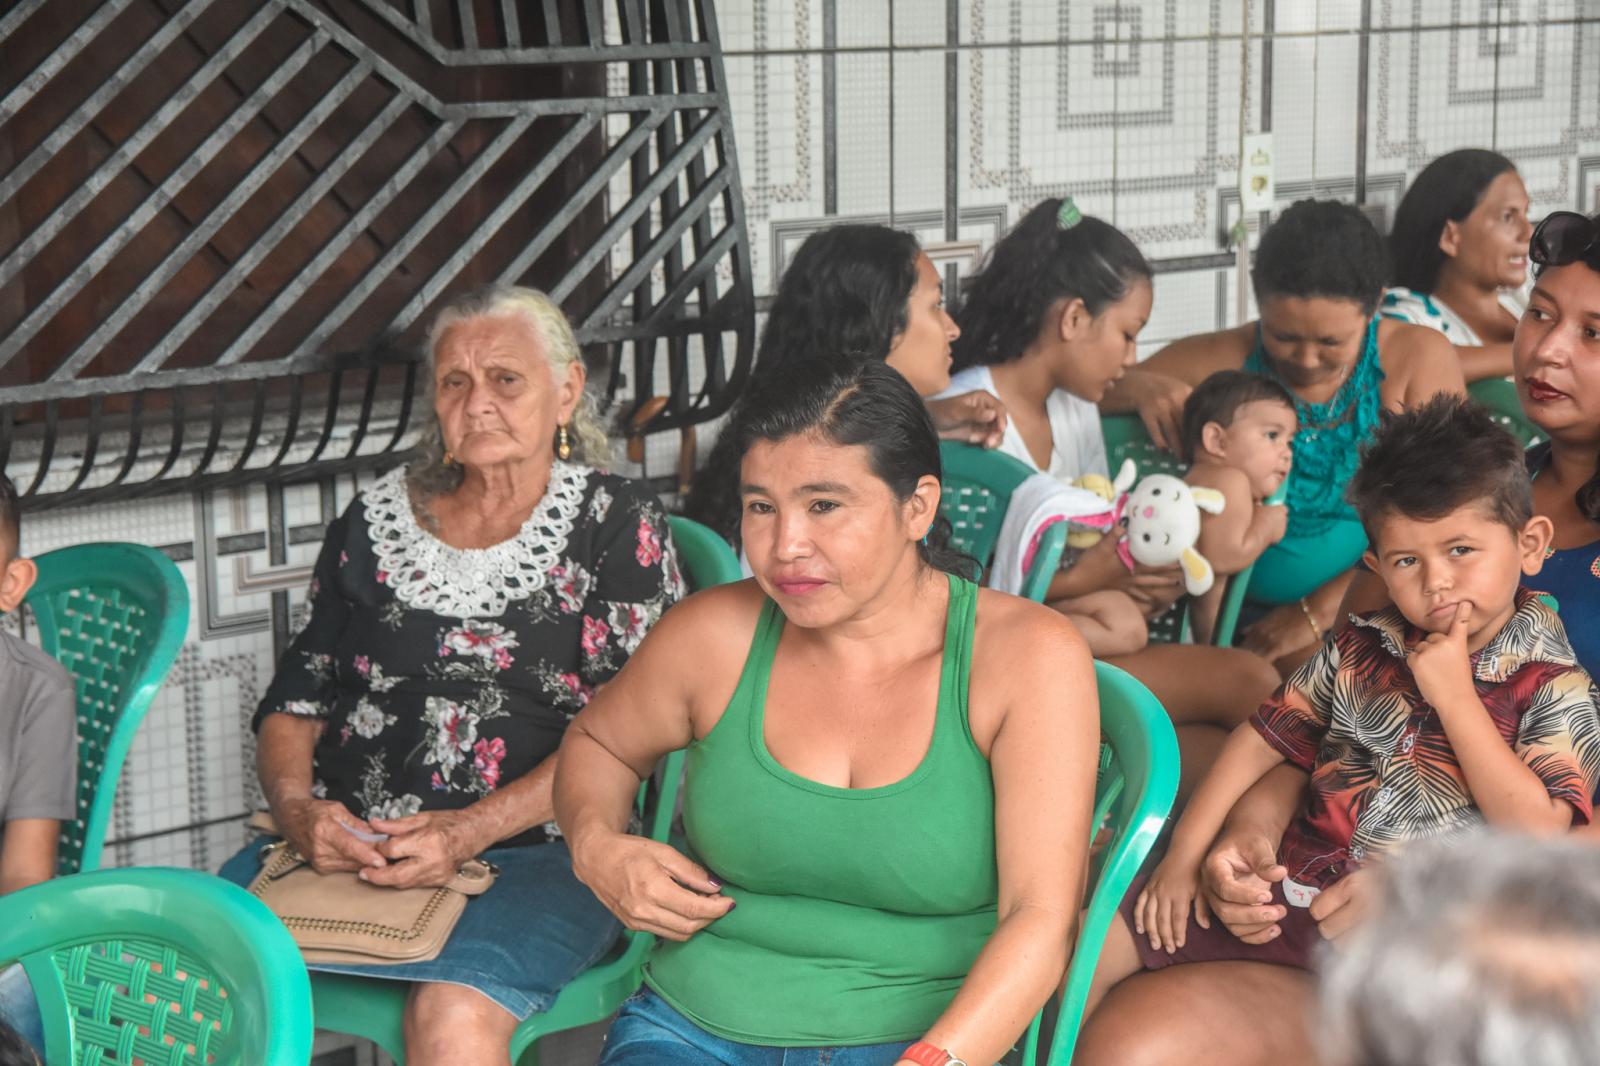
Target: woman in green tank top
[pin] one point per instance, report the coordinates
(890, 770)
(1319, 272)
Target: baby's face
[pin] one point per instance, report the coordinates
(1260, 442)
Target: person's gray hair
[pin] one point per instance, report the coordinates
(429, 474)
(1484, 951)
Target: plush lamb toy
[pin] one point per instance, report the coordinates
(1161, 520)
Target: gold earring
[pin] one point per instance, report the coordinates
(449, 459)
(563, 442)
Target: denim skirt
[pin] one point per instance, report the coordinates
(517, 944)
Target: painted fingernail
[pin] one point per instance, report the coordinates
(732, 903)
(714, 883)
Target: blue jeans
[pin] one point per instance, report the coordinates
(18, 1007)
(648, 1032)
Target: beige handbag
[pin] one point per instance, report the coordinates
(339, 918)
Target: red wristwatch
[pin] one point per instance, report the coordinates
(925, 1054)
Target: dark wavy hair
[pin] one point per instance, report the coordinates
(844, 294)
(1437, 457)
(855, 402)
(1447, 190)
(1322, 248)
(1032, 267)
(846, 291)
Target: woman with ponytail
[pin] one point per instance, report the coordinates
(1460, 251)
(1049, 324)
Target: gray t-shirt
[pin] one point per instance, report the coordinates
(38, 735)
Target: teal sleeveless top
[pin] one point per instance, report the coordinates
(1325, 537)
(1327, 444)
(860, 910)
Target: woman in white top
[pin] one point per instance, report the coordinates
(1460, 252)
(1048, 324)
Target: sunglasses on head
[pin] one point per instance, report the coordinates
(1564, 237)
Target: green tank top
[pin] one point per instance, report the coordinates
(860, 910)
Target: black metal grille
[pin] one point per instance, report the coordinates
(223, 225)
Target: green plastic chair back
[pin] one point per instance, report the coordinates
(976, 491)
(1133, 796)
(374, 1009)
(115, 616)
(1499, 395)
(707, 559)
(1126, 438)
(159, 966)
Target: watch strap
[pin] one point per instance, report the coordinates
(925, 1054)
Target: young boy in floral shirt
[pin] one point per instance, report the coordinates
(1460, 705)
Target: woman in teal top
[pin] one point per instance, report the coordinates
(1319, 271)
(890, 770)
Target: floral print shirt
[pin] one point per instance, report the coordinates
(441, 673)
(1382, 768)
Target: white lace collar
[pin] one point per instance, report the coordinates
(427, 574)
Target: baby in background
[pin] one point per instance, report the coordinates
(1238, 431)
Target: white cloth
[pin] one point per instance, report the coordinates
(1422, 309)
(1077, 448)
(1037, 503)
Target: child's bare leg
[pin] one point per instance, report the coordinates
(1203, 611)
(1119, 959)
(1110, 622)
(1200, 683)
(1198, 746)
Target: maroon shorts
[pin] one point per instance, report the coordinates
(1294, 945)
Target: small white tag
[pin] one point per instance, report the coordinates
(1298, 895)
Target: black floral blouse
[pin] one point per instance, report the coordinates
(442, 672)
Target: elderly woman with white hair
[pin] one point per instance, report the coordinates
(463, 609)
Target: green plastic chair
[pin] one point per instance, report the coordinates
(115, 616)
(977, 488)
(1126, 438)
(706, 557)
(159, 966)
(374, 1009)
(1499, 395)
(1133, 796)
